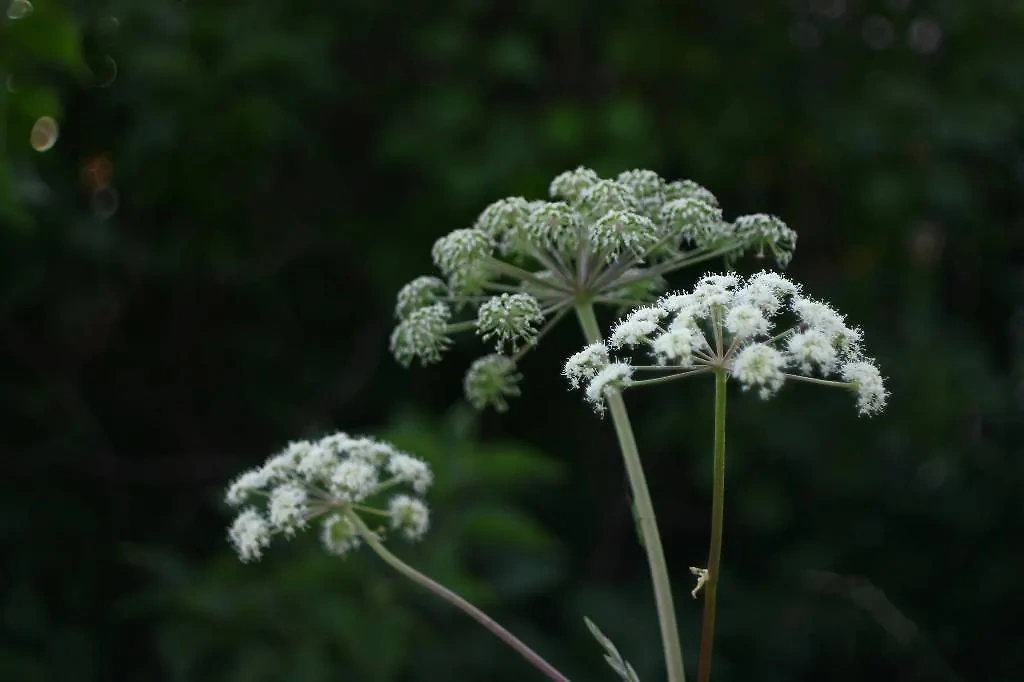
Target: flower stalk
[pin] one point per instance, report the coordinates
(726, 326)
(707, 638)
(532, 657)
(645, 511)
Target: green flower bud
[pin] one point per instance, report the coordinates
(509, 317)
(423, 334)
(490, 381)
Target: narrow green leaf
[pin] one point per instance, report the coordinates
(620, 665)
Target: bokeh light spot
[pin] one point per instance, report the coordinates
(44, 134)
(107, 73)
(105, 202)
(924, 35)
(98, 172)
(18, 9)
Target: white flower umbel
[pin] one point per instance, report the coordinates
(597, 241)
(339, 477)
(760, 331)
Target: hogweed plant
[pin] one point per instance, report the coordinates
(512, 277)
(343, 481)
(760, 332)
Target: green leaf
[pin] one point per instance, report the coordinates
(504, 526)
(507, 464)
(620, 665)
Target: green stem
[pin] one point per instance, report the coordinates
(707, 637)
(518, 355)
(668, 266)
(637, 383)
(645, 511)
(459, 327)
(517, 272)
(819, 382)
(444, 593)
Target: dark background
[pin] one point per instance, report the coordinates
(203, 267)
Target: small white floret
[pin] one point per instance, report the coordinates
(677, 345)
(339, 535)
(411, 470)
(586, 364)
(409, 515)
(246, 484)
(812, 349)
(715, 291)
(353, 480)
(250, 534)
(614, 377)
(746, 322)
(370, 450)
(288, 508)
(316, 463)
(869, 384)
(636, 327)
(759, 366)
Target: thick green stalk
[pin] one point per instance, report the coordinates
(645, 510)
(444, 593)
(707, 636)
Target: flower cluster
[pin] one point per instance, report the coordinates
(339, 478)
(524, 264)
(763, 331)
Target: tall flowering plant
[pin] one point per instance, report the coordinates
(510, 278)
(761, 333)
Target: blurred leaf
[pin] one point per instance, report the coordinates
(505, 526)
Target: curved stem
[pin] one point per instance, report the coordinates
(444, 593)
(645, 511)
(707, 637)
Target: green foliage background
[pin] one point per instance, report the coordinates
(277, 169)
